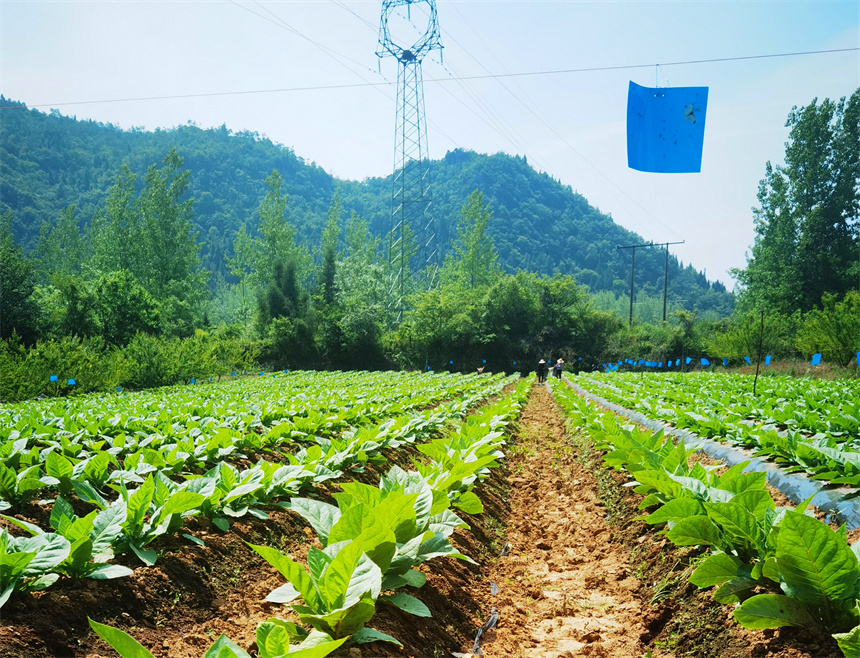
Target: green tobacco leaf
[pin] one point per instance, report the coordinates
(321, 516)
(182, 501)
(772, 611)
(123, 643)
(717, 569)
(62, 515)
(756, 502)
(148, 557)
(407, 603)
(283, 594)
(88, 493)
(379, 544)
(107, 525)
(734, 591)
(316, 645)
(849, 643)
(6, 592)
(367, 635)
(224, 647)
(317, 562)
(273, 639)
(695, 531)
(49, 549)
(414, 578)
(293, 572)
(737, 522)
(58, 466)
(470, 503)
(366, 577)
(675, 510)
(813, 563)
(109, 571)
(341, 622)
(349, 525)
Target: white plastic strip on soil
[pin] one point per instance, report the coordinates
(797, 487)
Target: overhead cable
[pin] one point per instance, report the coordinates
(435, 80)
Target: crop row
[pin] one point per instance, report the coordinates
(779, 566)
(129, 519)
(808, 426)
(372, 542)
(89, 446)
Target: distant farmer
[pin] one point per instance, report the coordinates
(480, 370)
(541, 371)
(557, 368)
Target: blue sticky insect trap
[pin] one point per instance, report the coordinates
(193, 381)
(666, 128)
(687, 362)
(71, 382)
(725, 361)
(747, 359)
(816, 359)
(767, 360)
(705, 362)
(53, 378)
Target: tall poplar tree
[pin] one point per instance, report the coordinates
(806, 241)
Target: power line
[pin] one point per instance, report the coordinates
(433, 80)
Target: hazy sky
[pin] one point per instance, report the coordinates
(65, 54)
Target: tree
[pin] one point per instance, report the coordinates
(115, 234)
(330, 237)
(172, 262)
(242, 266)
(475, 254)
(124, 308)
(18, 310)
(807, 223)
(61, 249)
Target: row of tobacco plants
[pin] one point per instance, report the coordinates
(808, 426)
(779, 566)
(165, 457)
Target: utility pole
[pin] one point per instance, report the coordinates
(633, 248)
(412, 242)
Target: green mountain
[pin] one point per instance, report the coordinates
(50, 161)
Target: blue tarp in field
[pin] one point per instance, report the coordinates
(666, 128)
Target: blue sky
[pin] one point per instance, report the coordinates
(571, 125)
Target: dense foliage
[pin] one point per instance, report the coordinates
(117, 246)
(808, 222)
(50, 162)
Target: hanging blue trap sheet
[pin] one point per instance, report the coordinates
(666, 128)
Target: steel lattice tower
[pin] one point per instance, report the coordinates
(412, 241)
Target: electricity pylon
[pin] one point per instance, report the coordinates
(412, 241)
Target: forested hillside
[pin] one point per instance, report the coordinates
(49, 162)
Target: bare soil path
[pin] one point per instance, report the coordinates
(566, 589)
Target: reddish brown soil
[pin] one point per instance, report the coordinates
(580, 579)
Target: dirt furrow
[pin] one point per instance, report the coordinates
(565, 589)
